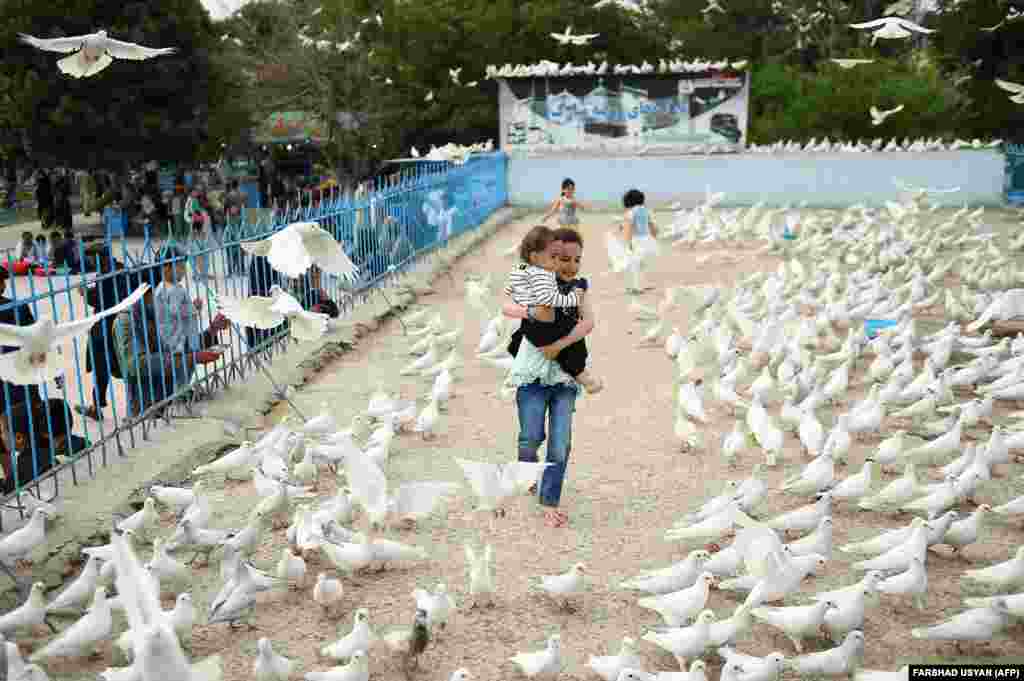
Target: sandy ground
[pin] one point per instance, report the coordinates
(627, 483)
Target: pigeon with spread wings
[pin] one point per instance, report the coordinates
(36, 360)
(300, 245)
(268, 312)
(93, 52)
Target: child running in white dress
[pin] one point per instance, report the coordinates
(533, 285)
(634, 243)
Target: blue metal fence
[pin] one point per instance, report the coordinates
(153, 355)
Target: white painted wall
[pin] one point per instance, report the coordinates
(823, 180)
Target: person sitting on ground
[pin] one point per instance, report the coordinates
(26, 247)
(64, 252)
(52, 423)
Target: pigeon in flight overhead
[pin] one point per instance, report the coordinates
(892, 28)
(568, 38)
(93, 52)
(878, 116)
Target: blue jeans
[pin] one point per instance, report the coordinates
(559, 401)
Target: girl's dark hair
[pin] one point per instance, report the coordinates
(567, 235)
(634, 197)
(567, 182)
(535, 241)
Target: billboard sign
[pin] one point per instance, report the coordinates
(673, 112)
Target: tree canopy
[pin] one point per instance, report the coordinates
(379, 73)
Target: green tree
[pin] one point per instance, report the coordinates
(169, 107)
(974, 58)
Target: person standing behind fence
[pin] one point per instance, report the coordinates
(234, 201)
(87, 190)
(101, 358)
(62, 217)
(44, 198)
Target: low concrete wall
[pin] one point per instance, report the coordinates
(175, 449)
(823, 180)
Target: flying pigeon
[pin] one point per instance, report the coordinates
(267, 312)
(36, 360)
(878, 117)
(93, 52)
(300, 245)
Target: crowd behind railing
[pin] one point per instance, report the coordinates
(156, 358)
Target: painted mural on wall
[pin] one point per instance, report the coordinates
(596, 112)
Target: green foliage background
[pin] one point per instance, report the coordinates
(184, 107)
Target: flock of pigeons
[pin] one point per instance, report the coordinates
(766, 350)
(812, 146)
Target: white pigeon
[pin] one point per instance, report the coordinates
(679, 607)
(37, 359)
(1004, 575)
(494, 483)
(684, 642)
(93, 52)
(547, 662)
(328, 592)
(892, 28)
(850, 63)
(269, 665)
(672, 578)
(84, 635)
(18, 544)
(301, 245)
(568, 38)
(29, 614)
(360, 638)
(80, 590)
(878, 116)
(481, 575)
(913, 581)
(565, 585)
(976, 624)
(843, 659)
(609, 667)
(796, 622)
(268, 312)
(357, 669)
(438, 606)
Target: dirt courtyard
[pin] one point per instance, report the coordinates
(627, 482)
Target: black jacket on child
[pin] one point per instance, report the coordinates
(572, 359)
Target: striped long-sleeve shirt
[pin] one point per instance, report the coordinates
(531, 285)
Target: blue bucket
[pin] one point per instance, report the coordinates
(873, 326)
(789, 236)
